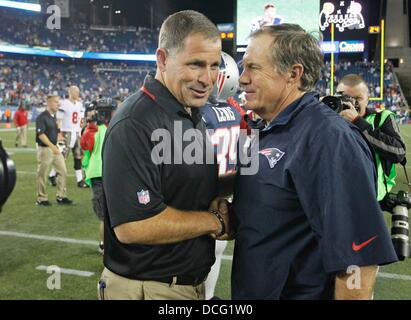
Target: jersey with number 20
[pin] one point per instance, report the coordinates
(223, 123)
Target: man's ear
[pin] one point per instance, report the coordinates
(296, 73)
(161, 56)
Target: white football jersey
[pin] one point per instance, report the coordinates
(71, 115)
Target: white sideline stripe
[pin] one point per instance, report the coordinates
(47, 238)
(394, 276)
(95, 243)
(69, 271)
(224, 257)
(35, 173)
(25, 150)
(14, 129)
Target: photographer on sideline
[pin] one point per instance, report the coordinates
(379, 128)
(98, 116)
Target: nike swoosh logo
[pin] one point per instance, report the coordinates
(357, 248)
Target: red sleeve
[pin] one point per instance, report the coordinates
(235, 104)
(87, 138)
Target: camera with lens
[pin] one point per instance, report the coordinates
(338, 102)
(398, 204)
(7, 175)
(100, 111)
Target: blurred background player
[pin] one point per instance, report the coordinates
(222, 116)
(70, 117)
(20, 121)
(7, 115)
(269, 18)
(49, 154)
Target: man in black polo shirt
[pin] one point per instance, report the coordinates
(48, 154)
(157, 225)
(308, 223)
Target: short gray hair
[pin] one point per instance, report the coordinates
(178, 26)
(291, 44)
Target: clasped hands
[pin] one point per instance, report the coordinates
(222, 206)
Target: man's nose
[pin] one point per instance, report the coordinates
(206, 77)
(244, 78)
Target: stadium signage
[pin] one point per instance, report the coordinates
(349, 46)
(225, 27)
(329, 47)
(352, 18)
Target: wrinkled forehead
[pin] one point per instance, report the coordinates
(198, 47)
(259, 48)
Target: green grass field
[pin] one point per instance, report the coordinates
(19, 256)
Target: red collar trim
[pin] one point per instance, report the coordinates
(152, 96)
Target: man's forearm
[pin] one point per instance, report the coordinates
(169, 226)
(43, 138)
(386, 140)
(356, 286)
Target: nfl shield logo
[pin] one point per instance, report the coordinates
(143, 197)
(273, 155)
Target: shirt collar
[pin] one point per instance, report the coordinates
(287, 114)
(162, 96)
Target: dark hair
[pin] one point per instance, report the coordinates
(178, 26)
(269, 5)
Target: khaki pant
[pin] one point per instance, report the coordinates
(115, 287)
(45, 160)
(21, 138)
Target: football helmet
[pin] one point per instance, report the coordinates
(228, 78)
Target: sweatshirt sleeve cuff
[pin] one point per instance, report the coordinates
(362, 124)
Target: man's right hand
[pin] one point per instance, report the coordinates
(221, 205)
(55, 150)
(349, 114)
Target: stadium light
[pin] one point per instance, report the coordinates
(21, 5)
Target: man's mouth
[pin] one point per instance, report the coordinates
(199, 93)
(248, 94)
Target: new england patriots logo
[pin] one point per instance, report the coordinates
(273, 155)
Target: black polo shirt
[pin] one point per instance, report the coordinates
(310, 211)
(136, 188)
(47, 124)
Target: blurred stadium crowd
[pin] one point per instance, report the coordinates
(28, 81)
(29, 30)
